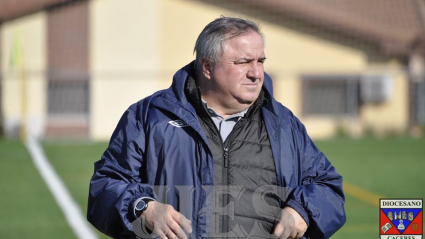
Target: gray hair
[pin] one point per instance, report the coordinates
(211, 42)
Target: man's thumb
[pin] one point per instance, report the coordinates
(278, 230)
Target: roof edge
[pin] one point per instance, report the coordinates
(14, 9)
(389, 41)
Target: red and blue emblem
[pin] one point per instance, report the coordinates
(401, 217)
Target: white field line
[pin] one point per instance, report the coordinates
(61, 194)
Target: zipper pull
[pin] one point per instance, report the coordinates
(226, 158)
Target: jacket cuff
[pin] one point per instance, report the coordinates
(300, 209)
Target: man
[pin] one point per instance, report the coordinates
(215, 155)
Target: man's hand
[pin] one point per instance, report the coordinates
(166, 222)
(291, 225)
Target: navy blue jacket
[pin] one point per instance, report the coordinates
(159, 141)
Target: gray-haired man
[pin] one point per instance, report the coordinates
(215, 155)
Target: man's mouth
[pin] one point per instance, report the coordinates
(250, 85)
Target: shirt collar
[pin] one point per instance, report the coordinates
(213, 113)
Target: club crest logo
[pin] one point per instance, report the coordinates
(401, 217)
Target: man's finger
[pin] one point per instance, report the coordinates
(171, 235)
(293, 234)
(285, 234)
(183, 222)
(278, 230)
(160, 234)
(281, 231)
(299, 235)
(175, 227)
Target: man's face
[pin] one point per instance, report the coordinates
(239, 72)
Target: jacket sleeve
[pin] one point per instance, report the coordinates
(116, 183)
(319, 198)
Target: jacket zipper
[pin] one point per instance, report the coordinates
(226, 157)
(226, 196)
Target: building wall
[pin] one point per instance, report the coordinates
(181, 22)
(124, 59)
(392, 116)
(30, 31)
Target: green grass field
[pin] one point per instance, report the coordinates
(74, 163)
(389, 167)
(28, 208)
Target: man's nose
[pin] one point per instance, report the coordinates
(254, 72)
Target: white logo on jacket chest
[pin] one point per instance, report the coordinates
(178, 123)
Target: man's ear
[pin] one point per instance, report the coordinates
(206, 66)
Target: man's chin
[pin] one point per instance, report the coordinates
(247, 100)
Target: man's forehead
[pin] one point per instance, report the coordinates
(243, 50)
(246, 41)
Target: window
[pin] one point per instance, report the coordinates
(68, 97)
(330, 95)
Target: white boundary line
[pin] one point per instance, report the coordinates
(61, 194)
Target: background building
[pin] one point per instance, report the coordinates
(71, 68)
